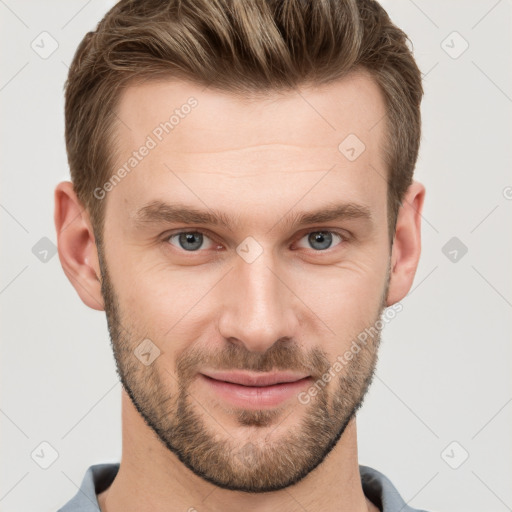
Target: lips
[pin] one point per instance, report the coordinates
(255, 379)
(254, 390)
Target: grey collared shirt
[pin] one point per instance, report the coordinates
(376, 487)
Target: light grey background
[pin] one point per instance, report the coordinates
(445, 361)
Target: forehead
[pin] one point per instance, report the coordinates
(354, 104)
(203, 142)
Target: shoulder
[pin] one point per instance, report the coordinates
(97, 478)
(379, 489)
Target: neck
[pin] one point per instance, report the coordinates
(151, 478)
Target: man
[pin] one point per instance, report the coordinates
(242, 207)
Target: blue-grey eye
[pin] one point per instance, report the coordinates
(188, 240)
(321, 240)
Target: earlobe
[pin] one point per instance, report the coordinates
(406, 251)
(76, 246)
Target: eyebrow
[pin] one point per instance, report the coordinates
(157, 212)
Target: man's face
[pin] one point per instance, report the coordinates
(261, 292)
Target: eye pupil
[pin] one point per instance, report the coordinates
(322, 237)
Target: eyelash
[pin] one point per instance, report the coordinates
(343, 236)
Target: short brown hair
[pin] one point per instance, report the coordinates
(237, 46)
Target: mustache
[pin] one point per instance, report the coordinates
(282, 356)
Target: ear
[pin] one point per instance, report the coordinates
(407, 244)
(77, 246)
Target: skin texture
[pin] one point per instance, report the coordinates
(295, 307)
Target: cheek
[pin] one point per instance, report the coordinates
(166, 303)
(346, 297)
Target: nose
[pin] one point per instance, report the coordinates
(258, 305)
